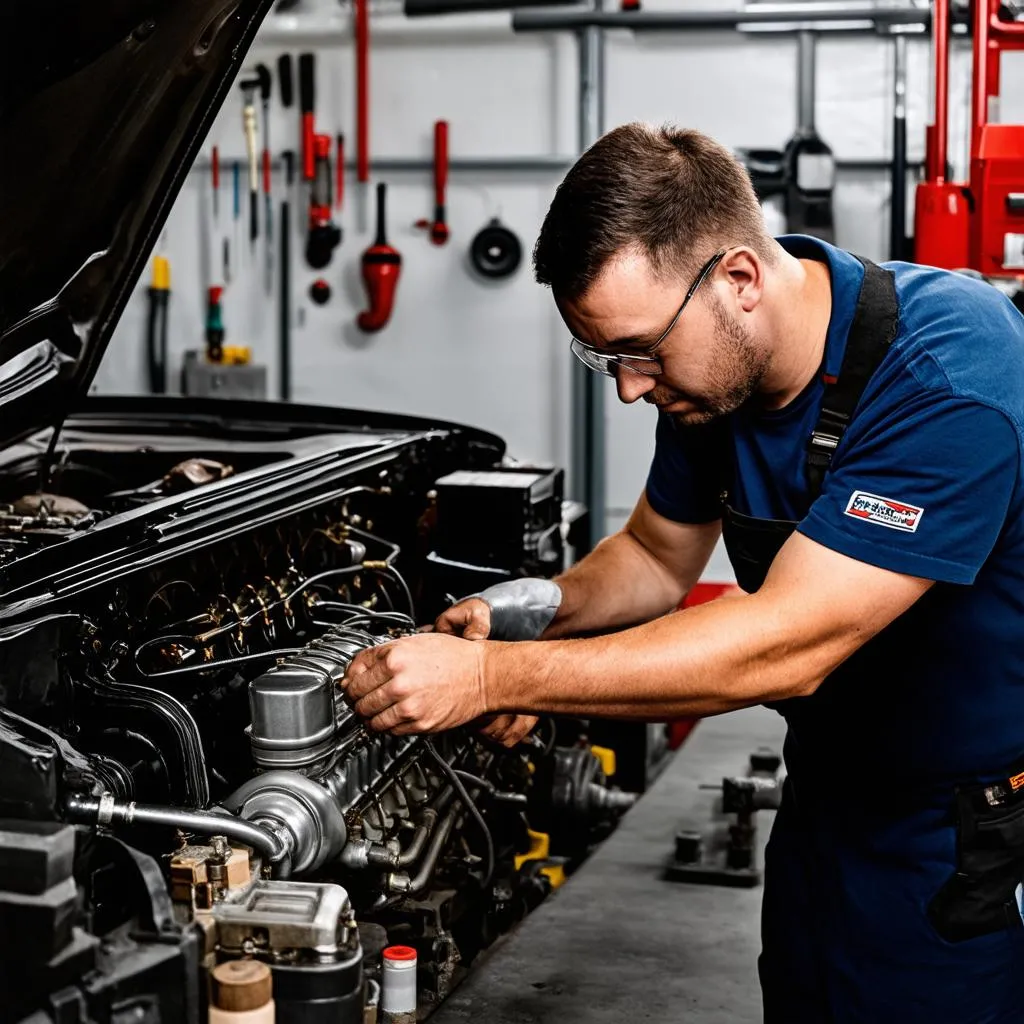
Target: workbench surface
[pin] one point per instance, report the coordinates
(618, 943)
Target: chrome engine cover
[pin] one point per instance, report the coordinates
(317, 759)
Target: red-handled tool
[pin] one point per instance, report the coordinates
(381, 266)
(284, 306)
(439, 229)
(362, 41)
(215, 171)
(324, 235)
(307, 97)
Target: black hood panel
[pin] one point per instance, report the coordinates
(103, 108)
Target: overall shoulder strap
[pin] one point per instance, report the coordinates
(875, 323)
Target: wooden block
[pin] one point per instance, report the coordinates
(240, 985)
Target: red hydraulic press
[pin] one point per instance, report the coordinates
(978, 225)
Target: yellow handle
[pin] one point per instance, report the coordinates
(161, 273)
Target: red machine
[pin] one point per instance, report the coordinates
(979, 225)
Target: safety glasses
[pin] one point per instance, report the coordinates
(645, 362)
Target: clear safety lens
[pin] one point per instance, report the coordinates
(606, 362)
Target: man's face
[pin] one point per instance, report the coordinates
(711, 362)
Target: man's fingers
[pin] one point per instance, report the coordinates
(375, 701)
(470, 619)
(519, 730)
(360, 663)
(388, 720)
(406, 729)
(509, 730)
(365, 681)
(454, 619)
(498, 726)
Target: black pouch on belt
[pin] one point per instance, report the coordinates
(980, 898)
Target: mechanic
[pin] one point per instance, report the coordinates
(854, 431)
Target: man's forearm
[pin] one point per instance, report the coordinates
(618, 584)
(704, 661)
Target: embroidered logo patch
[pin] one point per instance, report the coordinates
(897, 515)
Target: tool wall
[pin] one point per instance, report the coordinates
(458, 344)
(491, 352)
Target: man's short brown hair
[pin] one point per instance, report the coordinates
(673, 193)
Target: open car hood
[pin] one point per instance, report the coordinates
(103, 108)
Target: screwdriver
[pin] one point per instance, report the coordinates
(236, 173)
(249, 87)
(263, 75)
(215, 168)
(307, 103)
(156, 326)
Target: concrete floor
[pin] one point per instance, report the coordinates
(619, 943)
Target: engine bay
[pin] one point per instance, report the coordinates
(184, 783)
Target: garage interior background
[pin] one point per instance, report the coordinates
(495, 354)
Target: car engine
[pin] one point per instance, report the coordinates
(183, 783)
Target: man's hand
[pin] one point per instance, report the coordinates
(423, 683)
(470, 619)
(509, 730)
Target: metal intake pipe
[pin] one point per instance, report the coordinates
(105, 810)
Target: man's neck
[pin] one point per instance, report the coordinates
(801, 309)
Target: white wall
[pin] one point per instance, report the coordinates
(495, 354)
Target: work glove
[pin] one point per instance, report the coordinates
(511, 610)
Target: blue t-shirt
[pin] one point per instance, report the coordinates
(926, 481)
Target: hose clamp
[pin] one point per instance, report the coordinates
(105, 814)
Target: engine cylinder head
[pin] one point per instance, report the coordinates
(295, 716)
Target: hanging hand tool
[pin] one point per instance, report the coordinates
(808, 159)
(249, 87)
(268, 280)
(284, 343)
(439, 229)
(323, 234)
(361, 32)
(307, 99)
(156, 326)
(381, 265)
(215, 174)
(285, 81)
(214, 325)
(898, 170)
(263, 76)
(236, 186)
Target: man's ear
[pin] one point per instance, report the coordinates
(745, 272)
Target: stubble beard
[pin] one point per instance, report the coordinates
(735, 374)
